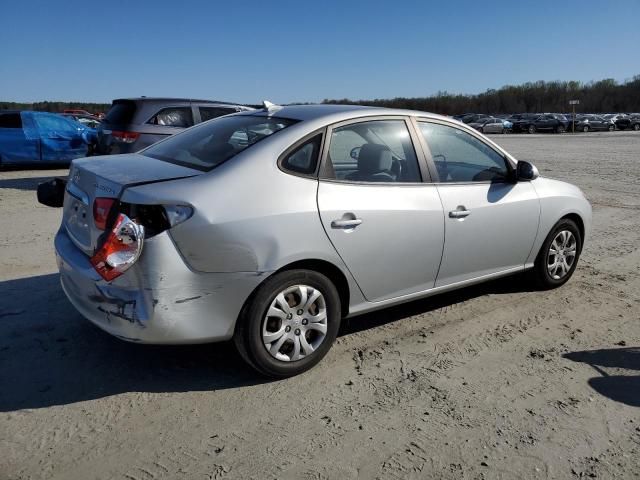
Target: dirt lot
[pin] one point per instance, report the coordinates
(496, 381)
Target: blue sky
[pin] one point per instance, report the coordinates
(300, 51)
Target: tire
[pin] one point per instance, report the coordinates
(254, 323)
(560, 129)
(636, 127)
(505, 131)
(585, 129)
(531, 129)
(481, 130)
(611, 128)
(548, 276)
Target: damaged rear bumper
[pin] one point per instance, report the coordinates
(159, 300)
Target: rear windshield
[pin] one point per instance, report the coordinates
(209, 144)
(121, 112)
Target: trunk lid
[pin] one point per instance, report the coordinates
(108, 177)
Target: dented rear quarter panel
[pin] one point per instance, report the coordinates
(159, 300)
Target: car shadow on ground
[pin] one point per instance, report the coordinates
(50, 355)
(28, 183)
(620, 388)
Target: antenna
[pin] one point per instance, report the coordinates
(270, 107)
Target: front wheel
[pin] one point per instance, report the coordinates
(560, 129)
(585, 129)
(611, 128)
(558, 255)
(532, 129)
(636, 127)
(289, 324)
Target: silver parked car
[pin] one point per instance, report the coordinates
(492, 125)
(271, 226)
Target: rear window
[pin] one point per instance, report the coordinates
(121, 112)
(10, 120)
(207, 145)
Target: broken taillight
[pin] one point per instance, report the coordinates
(101, 209)
(121, 249)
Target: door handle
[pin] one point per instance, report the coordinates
(349, 223)
(460, 212)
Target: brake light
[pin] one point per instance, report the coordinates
(121, 249)
(101, 209)
(125, 137)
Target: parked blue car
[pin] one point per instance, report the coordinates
(38, 138)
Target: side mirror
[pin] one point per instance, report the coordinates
(525, 171)
(355, 153)
(51, 192)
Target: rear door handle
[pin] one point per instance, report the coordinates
(350, 223)
(460, 212)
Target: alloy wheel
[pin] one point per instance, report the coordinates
(561, 255)
(295, 324)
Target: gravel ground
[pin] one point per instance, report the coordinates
(495, 381)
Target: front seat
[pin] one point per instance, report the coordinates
(374, 164)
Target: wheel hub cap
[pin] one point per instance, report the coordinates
(295, 323)
(561, 255)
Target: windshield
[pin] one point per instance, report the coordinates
(206, 146)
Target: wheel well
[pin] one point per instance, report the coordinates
(330, 271)
(578, 220)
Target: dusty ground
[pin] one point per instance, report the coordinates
(490, 382)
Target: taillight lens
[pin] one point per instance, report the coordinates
(101, 209)
(125, 137)
(121, 249)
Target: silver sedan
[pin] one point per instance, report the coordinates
(270, 227)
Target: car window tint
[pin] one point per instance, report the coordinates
(304, 158)
(207, 113)
(173, 117)
(10, 120)
(374, 151)
(460, 157)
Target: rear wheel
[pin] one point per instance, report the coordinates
(289, 324)
(481, 130)
(532, 129)
(636, 127)
(560, 129)
(585, 129)
(558, 255)
(611, 128)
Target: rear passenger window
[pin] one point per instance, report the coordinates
(173, 117)
(208, 113)
(304, 159)
(372, 151)
(460, 157)
(10, 120)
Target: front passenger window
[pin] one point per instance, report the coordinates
(460, 157)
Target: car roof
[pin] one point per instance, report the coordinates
(336, 113)
(173, 100)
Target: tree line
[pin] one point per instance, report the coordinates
(532, 97)
(56, 107)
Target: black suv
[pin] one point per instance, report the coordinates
(631, 122)
(135, 123)
(547, 122)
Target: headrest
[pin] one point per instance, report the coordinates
(374, 158)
